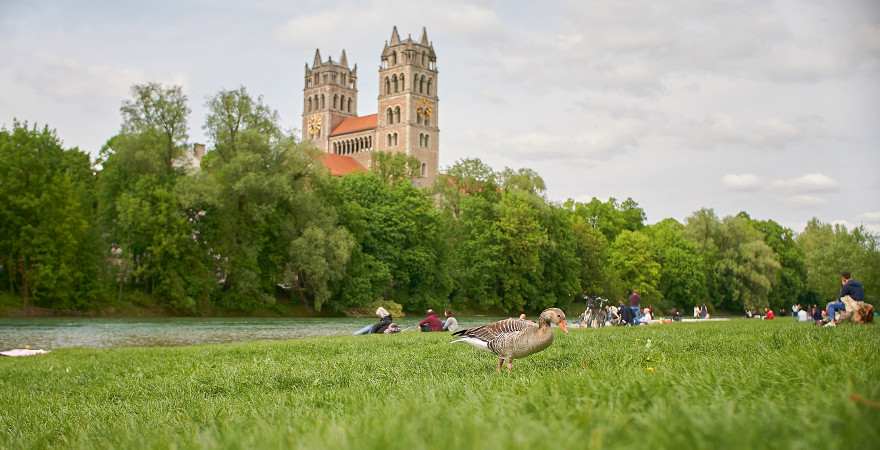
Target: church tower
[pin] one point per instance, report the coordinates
(329, 96)
(408, 113)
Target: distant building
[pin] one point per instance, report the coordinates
(191, 160)
(407, 116)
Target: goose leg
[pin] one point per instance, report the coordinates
(500, 363)
(509, 365)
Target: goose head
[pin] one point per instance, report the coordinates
(554, 315)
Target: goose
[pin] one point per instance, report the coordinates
(514, 338)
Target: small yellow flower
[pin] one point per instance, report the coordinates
(650, 369)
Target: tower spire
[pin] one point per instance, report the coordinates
(317, 61)
(424, 38)
(343, 60)
(395, 37)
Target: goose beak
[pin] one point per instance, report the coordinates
(564, 326)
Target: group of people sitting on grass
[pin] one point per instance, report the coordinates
(850, 305)
(432, 323)
(386, 324)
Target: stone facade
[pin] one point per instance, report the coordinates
(407, 116)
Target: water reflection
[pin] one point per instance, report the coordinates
(59, 333)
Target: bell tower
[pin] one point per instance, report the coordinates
(408, 103)
(329, 96)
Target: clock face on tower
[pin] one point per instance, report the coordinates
(425, 109)
(314, 125)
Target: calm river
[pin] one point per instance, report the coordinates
(50, 333)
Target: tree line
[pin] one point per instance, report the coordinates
(263, 223)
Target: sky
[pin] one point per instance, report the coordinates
(769, 107)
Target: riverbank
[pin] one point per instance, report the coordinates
(739, 384)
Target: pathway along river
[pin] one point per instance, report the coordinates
(52, 333)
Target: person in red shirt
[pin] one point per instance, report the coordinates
(769, 314)
(431, 322)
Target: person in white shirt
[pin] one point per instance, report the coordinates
(802, 316)
(451, 323)
(646, 316)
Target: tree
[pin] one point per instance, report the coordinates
(682, 269)
(703, 228)
(746, 267)
(790, 285)
(591, 249)
(467, 177)
(259, 210)
(232, 113)
(49, 244)
(524, 179)
(611, 217)
(141, 205)
(398, 233)
(394, 168)
(158, 109)
(831, 249)
(633, 263)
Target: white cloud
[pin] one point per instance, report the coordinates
(806, 200)
(772, 133)
(809, 183)
(742, 182)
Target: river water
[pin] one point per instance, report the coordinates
(51, 333)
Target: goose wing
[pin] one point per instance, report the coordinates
(495, 330)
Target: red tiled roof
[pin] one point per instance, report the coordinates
(340, 165)
(352, 124)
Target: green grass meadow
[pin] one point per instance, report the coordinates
(738, 384)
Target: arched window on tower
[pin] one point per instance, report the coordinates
(389, 140)
(395, 139)
(309, 109)
(396, 114)
(402, 83)
(316, 102)
(342, 103)
(349, 104)
(390, 119)
(393, 58)
(427, 141)
(418, 117)
(323, 104)
(427, 121)
(335, 100)
(394, 82)
(387, 85)
(430, 81)
(424, 170)
(421, 84)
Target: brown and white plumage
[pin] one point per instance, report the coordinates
(514, 338)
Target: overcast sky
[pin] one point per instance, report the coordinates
(772, 107)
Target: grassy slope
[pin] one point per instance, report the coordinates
(741, 384)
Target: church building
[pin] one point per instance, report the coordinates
(406, 117)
